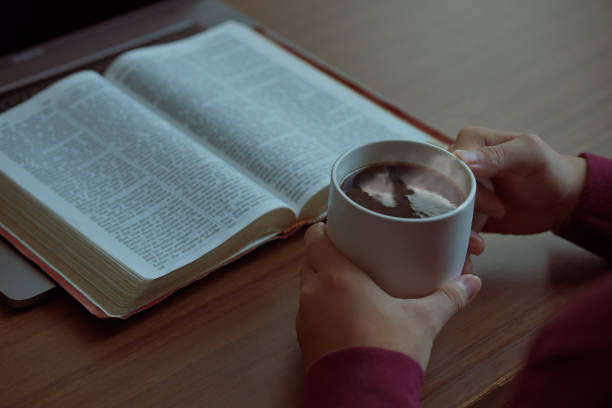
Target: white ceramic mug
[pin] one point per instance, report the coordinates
(407, 257)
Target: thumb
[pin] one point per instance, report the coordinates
(517, 154)
(451, 297)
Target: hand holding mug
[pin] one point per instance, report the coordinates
(536, 188)
(341, 306)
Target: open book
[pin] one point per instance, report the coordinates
(182, 157)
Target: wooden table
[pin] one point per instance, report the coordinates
(229, 340)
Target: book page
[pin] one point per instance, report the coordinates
(262, 109)
(135, 186)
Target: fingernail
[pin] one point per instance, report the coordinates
(471, 284)
(468, 156)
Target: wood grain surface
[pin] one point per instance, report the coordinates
(229, 340)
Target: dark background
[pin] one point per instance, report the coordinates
(25, 23)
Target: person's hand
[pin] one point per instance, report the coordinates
(341, 306)
(476, 246)
(536, 188)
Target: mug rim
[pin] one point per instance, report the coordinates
(465, 203)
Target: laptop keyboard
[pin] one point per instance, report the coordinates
(18, 95)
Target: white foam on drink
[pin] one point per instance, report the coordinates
(380, 188)
(429, 202)
(424, 201)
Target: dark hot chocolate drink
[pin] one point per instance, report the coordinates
(403, 190)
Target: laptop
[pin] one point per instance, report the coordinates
(43, 41)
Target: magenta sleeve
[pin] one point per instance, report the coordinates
(360, 377)
(570, 361)
(591, 223)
